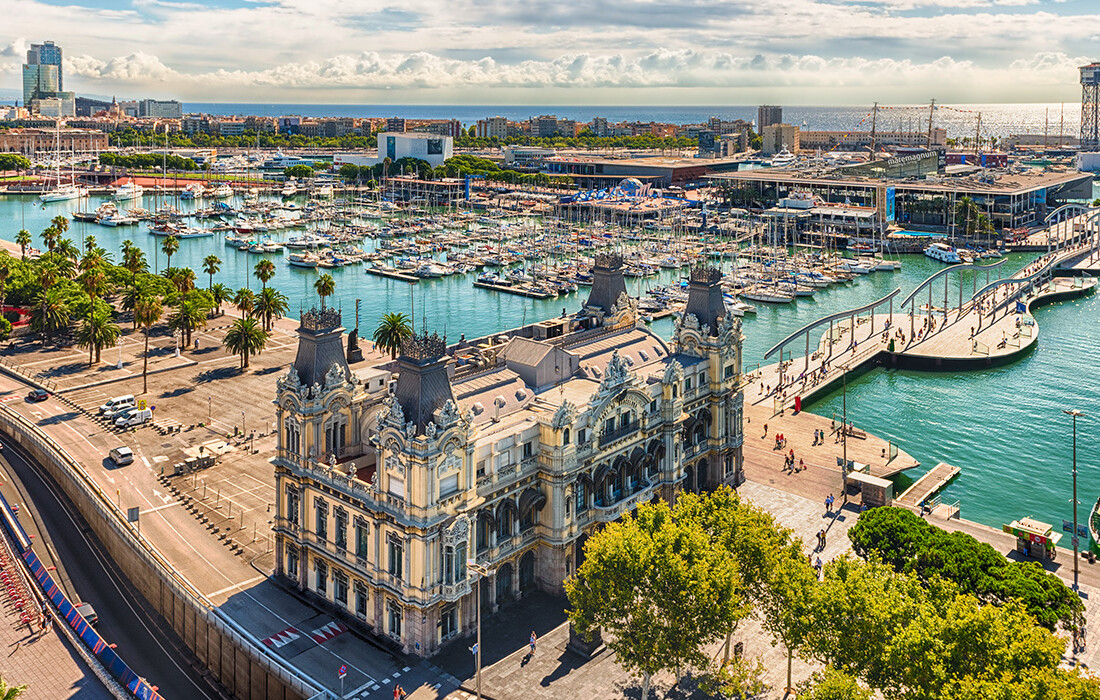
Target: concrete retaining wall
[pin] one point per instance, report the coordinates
(237, 661)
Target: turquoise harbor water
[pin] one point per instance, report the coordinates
(1004, 426)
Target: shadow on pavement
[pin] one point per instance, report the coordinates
(504, 633)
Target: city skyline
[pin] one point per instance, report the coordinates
(631, 52)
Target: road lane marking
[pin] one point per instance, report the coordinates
(235, 586)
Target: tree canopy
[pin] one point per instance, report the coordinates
(911, 545)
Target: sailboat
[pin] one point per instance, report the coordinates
(61, 192)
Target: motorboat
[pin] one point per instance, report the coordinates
(128, 192)
(223, 192)
(783, 159)
(303, 260)
(944, 253)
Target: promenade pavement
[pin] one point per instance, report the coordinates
(212, 525)
(45, 662)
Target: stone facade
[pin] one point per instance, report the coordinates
(390, 479)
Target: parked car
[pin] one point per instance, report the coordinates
(116, 403)
(117, 411)
(88, 613)
(135, 416)
(37, 395)
(122, 456)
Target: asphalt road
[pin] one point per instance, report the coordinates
(142, 638)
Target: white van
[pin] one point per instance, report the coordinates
(135, 416)
(122, 456)
(116, 403)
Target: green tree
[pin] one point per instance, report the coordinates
(147, 311)
(301, 171)
(392, 329)
(61, 224)
(94, 281)
(832, 684)
(11, 692)
(5, 273)
(264, 271)
(96, 332)
(910, 544)
(189, 314)
(271, 304)
(211, 264)
(325, 287)
(23, 239)
(51, 314)
(246, 338)
(245, 301)
(220, 294)
(182, 278)
(50, 236)
(658, 587)
(170, 246)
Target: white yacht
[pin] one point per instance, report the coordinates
(303, 259)
(289, 189)
(63, 192)
(129, 191)
(223, 192)
(783, 159)
(943, 253)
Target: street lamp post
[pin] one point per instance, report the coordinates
(1073, 412)
(482, 572)
(844, 434)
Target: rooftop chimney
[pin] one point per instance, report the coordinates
(607, 281)
(705, 298)
(319, 346)
(422, 384)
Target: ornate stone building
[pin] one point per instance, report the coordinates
(508, 450)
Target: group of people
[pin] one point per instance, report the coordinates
(821, 541)
(788, 463)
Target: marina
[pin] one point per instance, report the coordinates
(502, 242)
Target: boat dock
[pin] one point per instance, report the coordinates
(516, 289)
(928, 485)
(393, 275)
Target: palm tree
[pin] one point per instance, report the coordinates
(246, 338)
(220, 294)
(50, 236)
(23, 239)
(271, 304)
(51, 313)
(325, 287)
(94, 281)
(245, 301)
(60, 223)
(189, 315)
(67, 250)
(147, 311)
(97, 332)
(10, 692)
(264, 270)
(391, 330)
(211, 264)
(170, 246)
(182, 278)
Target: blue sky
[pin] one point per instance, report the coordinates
(549, 51)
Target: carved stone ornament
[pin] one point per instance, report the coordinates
(393, 414)
(335, 376)
(315, 390)
(430, 430)
(674, 373)
(410, 429)
(394, 464)
(448, 415)
(290, 381)
(691, 322)
(459, 531)
(564, 415)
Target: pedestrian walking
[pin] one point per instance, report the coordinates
(47, 625)
(534, 638)
(828, 505)
(765, 430)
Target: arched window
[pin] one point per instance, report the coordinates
(582, 496)
(565, 436)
